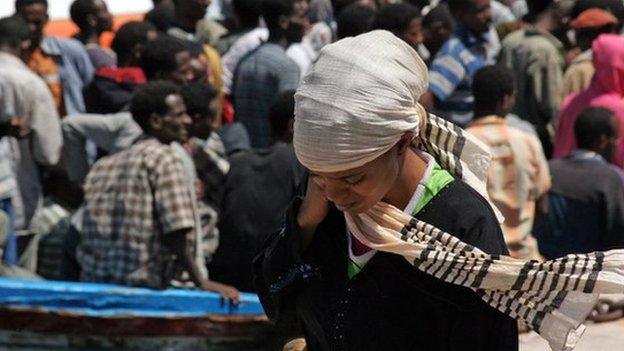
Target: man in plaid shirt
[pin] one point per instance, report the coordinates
(139, 219)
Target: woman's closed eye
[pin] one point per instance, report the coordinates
(354, 180)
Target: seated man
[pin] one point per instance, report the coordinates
(138, 224)
(586, 201)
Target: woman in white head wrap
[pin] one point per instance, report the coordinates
(394, 245)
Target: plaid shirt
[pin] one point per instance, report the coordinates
(517, 177)
(259, 77)
(132, 199)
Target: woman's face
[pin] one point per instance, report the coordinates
(356, 190)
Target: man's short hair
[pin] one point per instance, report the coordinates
(160, 55)
(439, 13)
(591, 125)
(247, 10)
(20, 4)
(538, 7)
(197, 97)
(396, 18)
(354, 20)
(457, 6)
(491, 84)
(80, 10)
(13, 31)
(161, 16)
(150, 98)
(129, 35)
(282, 110)
(272, 10)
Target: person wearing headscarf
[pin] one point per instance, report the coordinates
(394, 245)
(587, 27)
(605, 90)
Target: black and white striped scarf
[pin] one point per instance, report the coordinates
(553, 298)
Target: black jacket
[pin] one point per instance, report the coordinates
(390, 304)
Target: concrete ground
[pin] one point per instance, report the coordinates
(598, 337)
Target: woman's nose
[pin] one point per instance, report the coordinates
(334, 191)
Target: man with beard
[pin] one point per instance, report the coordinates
(471, 46)
(267, 70)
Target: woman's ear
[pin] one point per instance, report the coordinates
(405, 142)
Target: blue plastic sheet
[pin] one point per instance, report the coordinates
(107, 300)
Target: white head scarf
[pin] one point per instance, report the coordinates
(361, 96)
(350, 109)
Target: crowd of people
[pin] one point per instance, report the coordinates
(166, 159)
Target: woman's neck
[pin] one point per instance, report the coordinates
(411, 174)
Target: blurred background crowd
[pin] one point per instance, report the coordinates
(163, 157)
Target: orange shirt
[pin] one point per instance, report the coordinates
(45, 66)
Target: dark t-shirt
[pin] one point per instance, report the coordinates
(258, 189)
(586, 208)
(390, 304)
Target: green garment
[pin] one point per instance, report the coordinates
(438, 180)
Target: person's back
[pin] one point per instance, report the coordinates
(130, 202)
(26, 103)
(606, 90)
(533, 54)
(264, 73)
(472, 45)
(586, 202)
(259, 77)
(259, 187)
(518, 174)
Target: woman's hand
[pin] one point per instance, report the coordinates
(312, 212)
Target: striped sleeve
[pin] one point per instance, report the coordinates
(445, 74)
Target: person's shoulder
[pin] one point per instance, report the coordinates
(247, 60)
(26, 81)
(155, 151)
(67, 46)
(514, 38)
(452, 46)
(613, 102)
(104, 166)
(518, 132)
(463, 212)
(278, 58)
(462, 200)
(615, 177)
(21, 75)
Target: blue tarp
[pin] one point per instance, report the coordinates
(105, 300)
